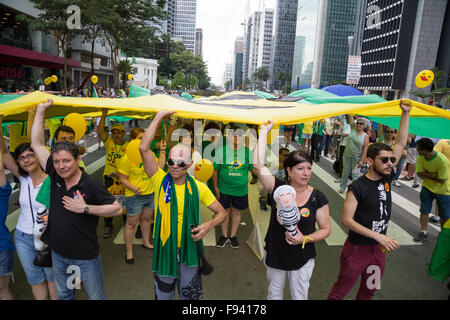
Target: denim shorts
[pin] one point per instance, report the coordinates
(426, 202)
(26, 252)
(6, 262)
(135, 204)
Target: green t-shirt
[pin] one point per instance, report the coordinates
(233, 166)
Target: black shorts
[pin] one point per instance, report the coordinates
(239, 203)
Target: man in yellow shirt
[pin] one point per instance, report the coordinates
(443, 146)
(115, 147)
(434, 168)
(177, 208)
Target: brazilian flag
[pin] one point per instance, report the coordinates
(439, 268)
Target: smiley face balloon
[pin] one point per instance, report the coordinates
(424, 78)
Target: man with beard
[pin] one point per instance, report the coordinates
(366, 212)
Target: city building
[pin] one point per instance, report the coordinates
(336, 21)
(236, 68)
(265, 38)
(181, 21)
(145, 72)
(27, 57)
(305, 40)
(400, 39)
(227, 77)
(285, 21)
(198, 41)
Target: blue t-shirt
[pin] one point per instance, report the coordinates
(5, 238)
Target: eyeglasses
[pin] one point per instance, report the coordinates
(359, 123)
(386, 159)
(27, 157)
(179, 163)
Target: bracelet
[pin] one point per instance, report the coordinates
(305, 239)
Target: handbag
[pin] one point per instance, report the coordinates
(43, 258)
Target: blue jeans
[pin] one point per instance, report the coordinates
(26, 252)
(68, 272)
(399, 168)
(348, 165)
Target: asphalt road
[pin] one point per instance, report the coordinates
(240, 275)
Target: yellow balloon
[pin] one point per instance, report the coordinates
(94, 79)
(133, 153)
(130, 77)
(424, 78)
(47, 81)
(54, 78)
(77, 122)
(203, 170)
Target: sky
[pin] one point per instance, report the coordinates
(221, 23)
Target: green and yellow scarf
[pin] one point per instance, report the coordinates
(166, 227)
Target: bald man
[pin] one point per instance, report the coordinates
(177, 208)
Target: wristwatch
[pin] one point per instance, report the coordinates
(86, 210)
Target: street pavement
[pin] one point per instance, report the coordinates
(240, 275)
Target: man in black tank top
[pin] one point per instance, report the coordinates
(366, 212)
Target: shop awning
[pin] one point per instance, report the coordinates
(12, 55)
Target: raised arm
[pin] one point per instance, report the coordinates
(351, 121)
(263, 173)
(401, 139)
(7, 159)
(37, 133)
(101, 125)
(148, 158)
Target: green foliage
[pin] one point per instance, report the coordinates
(178, 80)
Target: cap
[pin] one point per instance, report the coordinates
(117, 126)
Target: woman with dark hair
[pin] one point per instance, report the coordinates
(288, 254)
(139, 197)
(25, 166)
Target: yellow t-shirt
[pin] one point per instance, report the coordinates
(53, 124)
(443, 147)
(206, 197)
(113, 151)
(17, 135)
(440, 165)
(136, 176)
(308, 127)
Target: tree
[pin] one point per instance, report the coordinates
(284, 78)
(246, 84)
(128, 21)
(261, 75)
(52, 19)
(178, 80)
(125, 68)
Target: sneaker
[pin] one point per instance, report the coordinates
(222, 241)
(107, 232)
(234, 242)
(435, 219)
(138, 234)
(396, 183)
(415, 185)
(338, 180)
(421, 237)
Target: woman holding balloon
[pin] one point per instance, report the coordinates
(291, 253)
(139, 197)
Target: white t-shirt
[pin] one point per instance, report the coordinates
(25, 223)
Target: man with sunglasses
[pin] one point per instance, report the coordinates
(177, 206)
(366, 212)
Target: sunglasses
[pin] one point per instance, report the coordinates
(179, 163)
(360, 123)
(386, 159)
(27, 157)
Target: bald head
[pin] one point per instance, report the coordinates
(182, 152)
